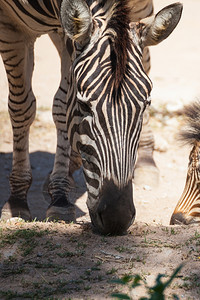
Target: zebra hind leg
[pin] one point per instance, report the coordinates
(18, 59)
(60, 207)
(60, 181)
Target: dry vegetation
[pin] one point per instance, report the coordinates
(59, 261)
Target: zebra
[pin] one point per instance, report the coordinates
(187, 210)
(99, 106)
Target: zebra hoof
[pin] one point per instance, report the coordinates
(58, 213)
(181, 219)
(15, 208)
(148, 175)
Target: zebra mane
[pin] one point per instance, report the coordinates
(119, 22)
(190, 134)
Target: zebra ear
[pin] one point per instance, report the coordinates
(155, 29)
(76, 20)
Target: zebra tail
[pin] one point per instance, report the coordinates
(190, 133)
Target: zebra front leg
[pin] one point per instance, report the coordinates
(60, 181)
(20, 180)
(18, 61)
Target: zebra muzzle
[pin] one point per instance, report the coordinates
(115, 211)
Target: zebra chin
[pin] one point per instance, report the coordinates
(115, 211)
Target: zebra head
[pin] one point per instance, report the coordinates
(187, 210)
(108, 94)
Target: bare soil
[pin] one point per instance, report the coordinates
(43, 260)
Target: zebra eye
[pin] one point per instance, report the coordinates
(78, 46)
(148, 100)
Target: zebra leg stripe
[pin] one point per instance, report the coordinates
(20, 24)
(18, 60)
(59, 185)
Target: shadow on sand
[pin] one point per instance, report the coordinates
(38, 197)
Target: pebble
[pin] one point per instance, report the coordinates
(14, 220)
(147, 188)
(173, 107)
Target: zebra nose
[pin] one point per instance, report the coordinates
(178, 219)
(181, 218)
(115, 211)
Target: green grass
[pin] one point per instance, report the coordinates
(155, 292)
(26, 234)
(26, 239)
(43, 290)
(12, 271)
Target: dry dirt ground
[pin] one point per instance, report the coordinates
(42, 260)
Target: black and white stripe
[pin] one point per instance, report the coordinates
(104, 91)
(109, 91)
(39, 16)
(104, 122)
(187, 210)
(21, 22)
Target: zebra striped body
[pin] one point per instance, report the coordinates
(21, 22)
(187, 210)
(37, 17)
(104, 90)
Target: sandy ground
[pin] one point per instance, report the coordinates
(151, 245)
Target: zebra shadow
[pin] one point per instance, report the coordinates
(38, 197)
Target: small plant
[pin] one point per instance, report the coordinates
(112, 271)
(66, 254)
(196, 235)
(173, 231)
(155, 292)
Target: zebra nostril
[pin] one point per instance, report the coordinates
(97, 222)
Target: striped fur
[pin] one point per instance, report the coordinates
(105, 113)
(21, 22)
(104, 91)
(107, 134)
(187, 210)
(105, 108)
